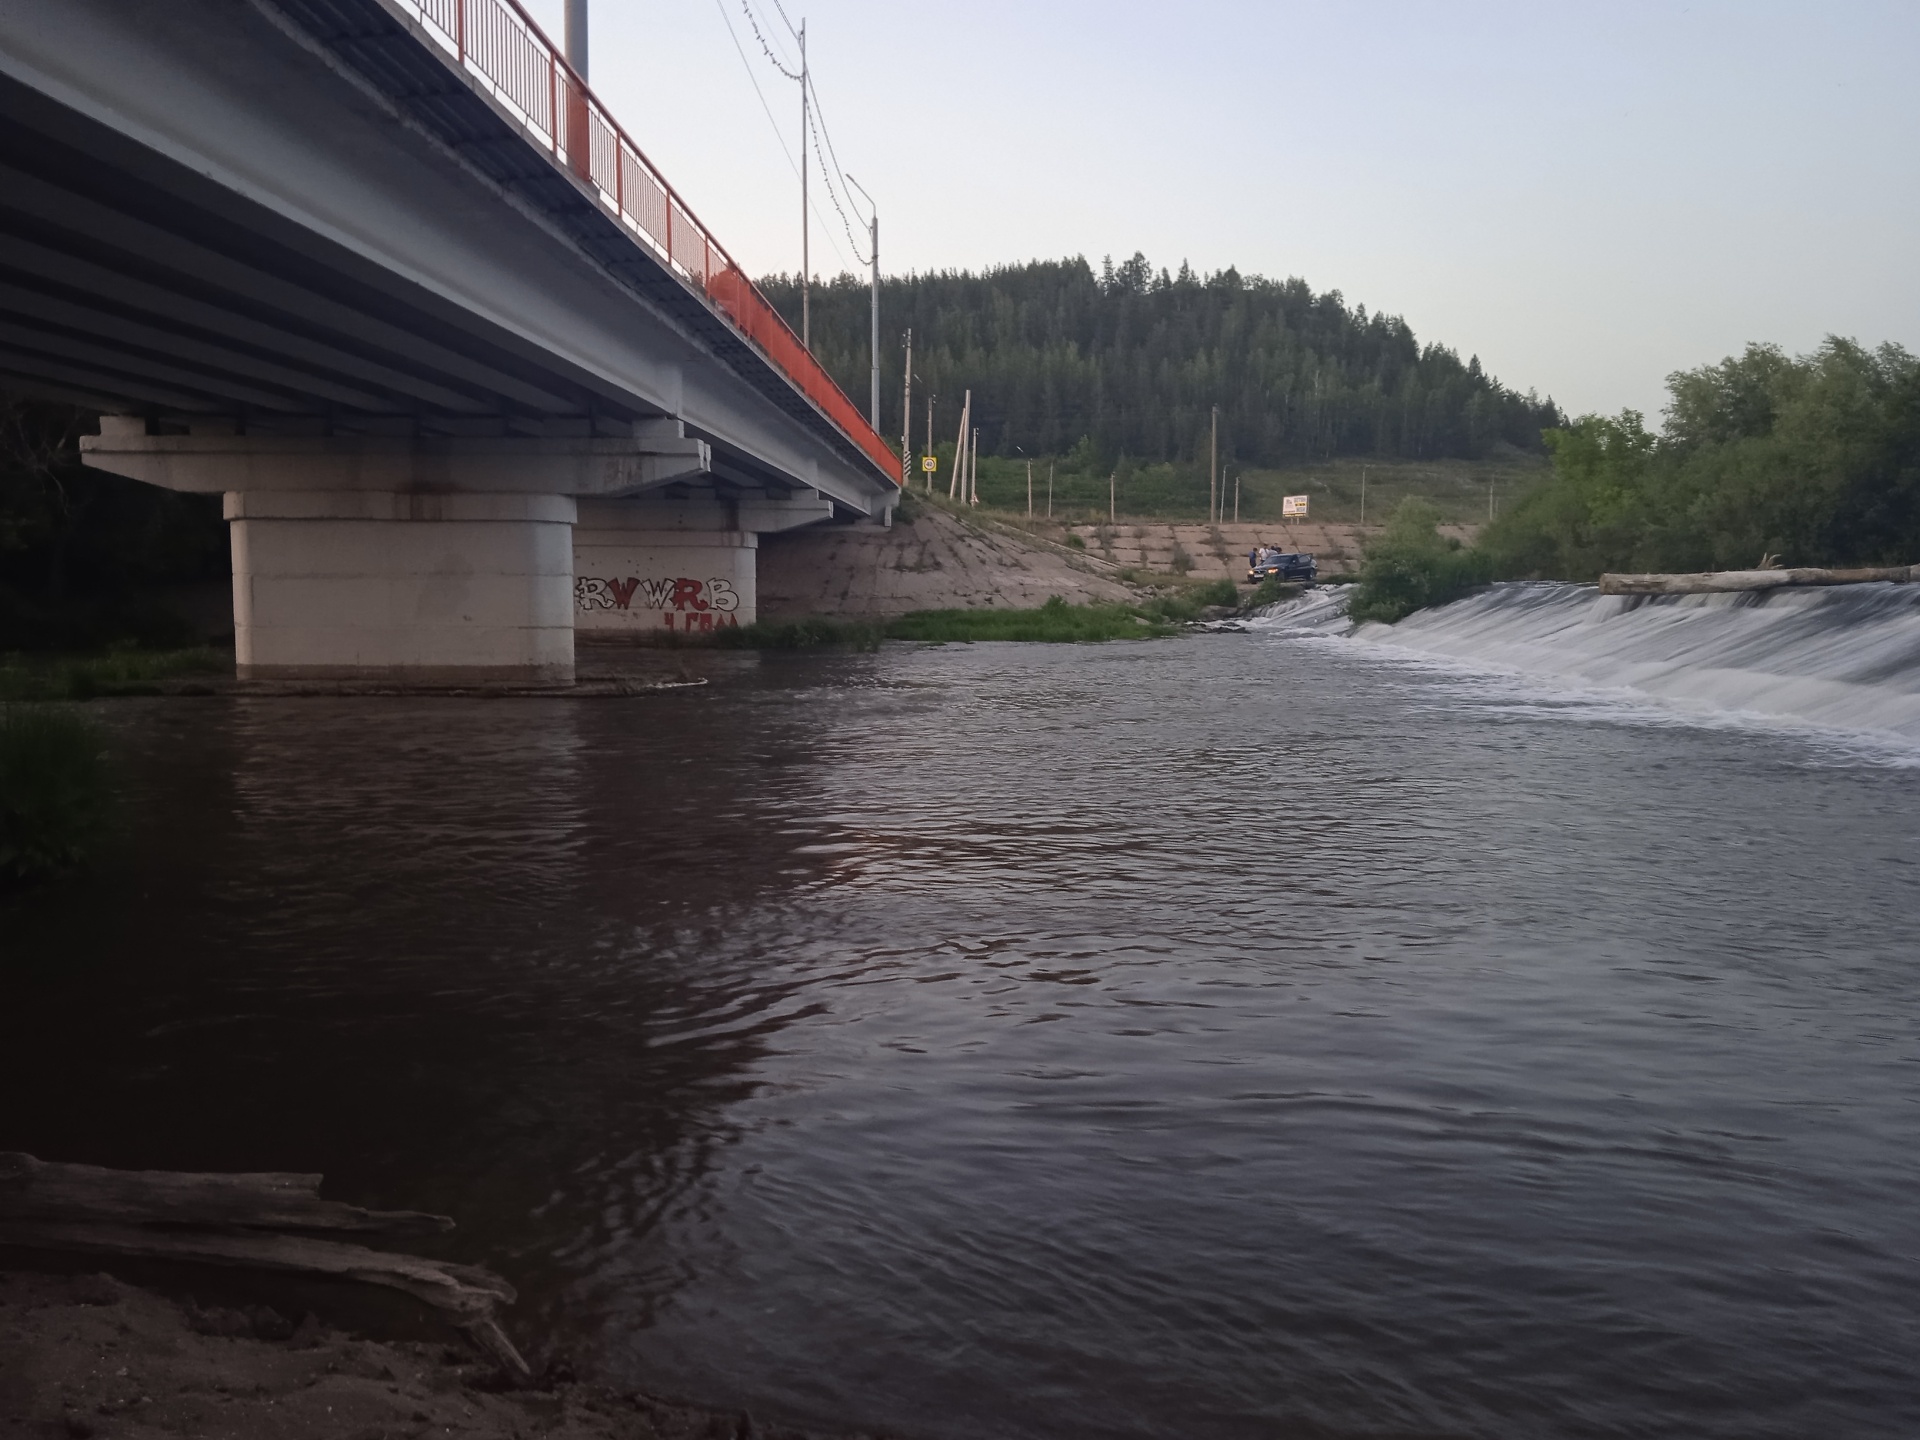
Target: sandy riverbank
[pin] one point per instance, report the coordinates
(933, 560)
(88, 1356)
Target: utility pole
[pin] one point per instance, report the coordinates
(906, 420)
(973, 468)
(1049, 489)
(1029, 488)
(874, 236)
(574, 39)
(806, 267)
(1236, 499)
(931, 397)
(1363, 495)
(1112, 476)
(1489, 499)
(1213, 471)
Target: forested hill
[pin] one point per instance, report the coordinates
(1134, 360)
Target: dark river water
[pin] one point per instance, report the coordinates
(1241, 1035)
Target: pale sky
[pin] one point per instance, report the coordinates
(1586, 196)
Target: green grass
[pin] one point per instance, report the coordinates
(1178, 493)
(53, 792)
(1055, 622)
(118, 672)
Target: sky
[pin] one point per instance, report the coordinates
(1586, 196)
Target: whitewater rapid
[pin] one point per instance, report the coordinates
(1841, 657)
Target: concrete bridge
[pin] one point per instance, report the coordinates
(386, 275)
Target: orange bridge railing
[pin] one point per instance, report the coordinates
(498, 42)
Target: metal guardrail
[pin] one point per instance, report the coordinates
(497, 42)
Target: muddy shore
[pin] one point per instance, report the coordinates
(90, 1356)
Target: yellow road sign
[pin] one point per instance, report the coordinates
(929, 464)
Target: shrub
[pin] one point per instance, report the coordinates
(1271, 591)
(1215, 592)
(1075, 541)
(1412, 566)
(1182, 562)
(53, 792)
(810, 634)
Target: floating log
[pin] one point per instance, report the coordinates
(255, 1221)
(1726, 582)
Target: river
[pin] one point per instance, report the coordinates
(1260, 1034)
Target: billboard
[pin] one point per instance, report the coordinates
(1293, 507)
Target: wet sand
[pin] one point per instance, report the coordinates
(90, 1356)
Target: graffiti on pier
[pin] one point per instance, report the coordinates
(699, 604)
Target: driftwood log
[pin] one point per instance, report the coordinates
(1726, 582)
(264, 1221)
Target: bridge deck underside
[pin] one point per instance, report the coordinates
(131, 282)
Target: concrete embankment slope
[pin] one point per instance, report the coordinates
(933, 561)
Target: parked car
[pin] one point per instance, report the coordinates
(1272, 565)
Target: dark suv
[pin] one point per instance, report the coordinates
(1283, 567)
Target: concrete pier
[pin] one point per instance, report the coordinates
(677, 564)
(446, 561)
(416, 589)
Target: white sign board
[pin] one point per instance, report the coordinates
(1293, 507)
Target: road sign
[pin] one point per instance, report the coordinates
(929, 464)
(1293, 507)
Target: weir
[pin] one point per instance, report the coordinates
(1847, 657)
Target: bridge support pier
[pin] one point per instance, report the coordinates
(408, 589)
(398, 560)
(677, 563)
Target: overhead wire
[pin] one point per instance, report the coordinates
(754, 21)
(754, 80)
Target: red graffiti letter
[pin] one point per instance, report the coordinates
(623, 590)
(686, 595)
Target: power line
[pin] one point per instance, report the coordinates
(827, 131)
(832, 193)
(783, 19)
(754, 80)
(754, 21)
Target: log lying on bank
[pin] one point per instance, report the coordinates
(1726, 582)
(253, 1221)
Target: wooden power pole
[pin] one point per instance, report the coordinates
(957, 482)
(1213, 471)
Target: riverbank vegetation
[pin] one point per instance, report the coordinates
(1812, 459)
(90, 560)
(1055, 622)
(1413, 566)
(1761, 458)
(53, 792)
(119, 671)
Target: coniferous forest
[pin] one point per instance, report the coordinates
(1127, 363)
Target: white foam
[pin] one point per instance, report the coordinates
(1844, 659)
